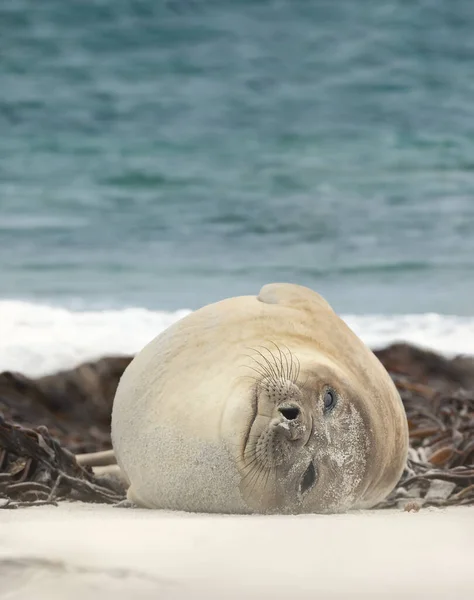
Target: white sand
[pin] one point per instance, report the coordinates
(98, 552)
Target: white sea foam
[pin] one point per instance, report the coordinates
(36, 339)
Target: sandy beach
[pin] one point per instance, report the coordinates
(78, 550)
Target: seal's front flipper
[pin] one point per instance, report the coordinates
(109, 471)
(126, 504)
(292, 295)
(97, 459)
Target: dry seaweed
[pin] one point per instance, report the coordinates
(37, 464)
(36, 469)
(75, 405)
(440, 413)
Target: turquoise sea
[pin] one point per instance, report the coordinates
(158, 155)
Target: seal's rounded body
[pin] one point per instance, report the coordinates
(266, 404)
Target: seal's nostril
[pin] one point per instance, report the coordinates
(290, 414)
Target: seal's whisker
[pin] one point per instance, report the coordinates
(279, 366)
(267, 362)
(267, 475)
(298, 370)
(294, 368)
(255, 360)
(267, 369)
(249, 486)
(270, 472)
(250, 478)
(274, 365)
(246, 452)
(250, 465)
(264, 475)
(287, 365)
(292, 376)
(261, 373)
(281, 360)
(261, 472)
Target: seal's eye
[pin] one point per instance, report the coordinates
(329, 400)
(308, 479)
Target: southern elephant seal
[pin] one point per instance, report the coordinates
(264, 404)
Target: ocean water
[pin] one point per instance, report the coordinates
(157, 155)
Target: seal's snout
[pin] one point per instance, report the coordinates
(289, 413)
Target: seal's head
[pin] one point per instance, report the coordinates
(308, 446)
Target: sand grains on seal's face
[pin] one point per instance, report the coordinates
(345, 461)
(307, 446)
